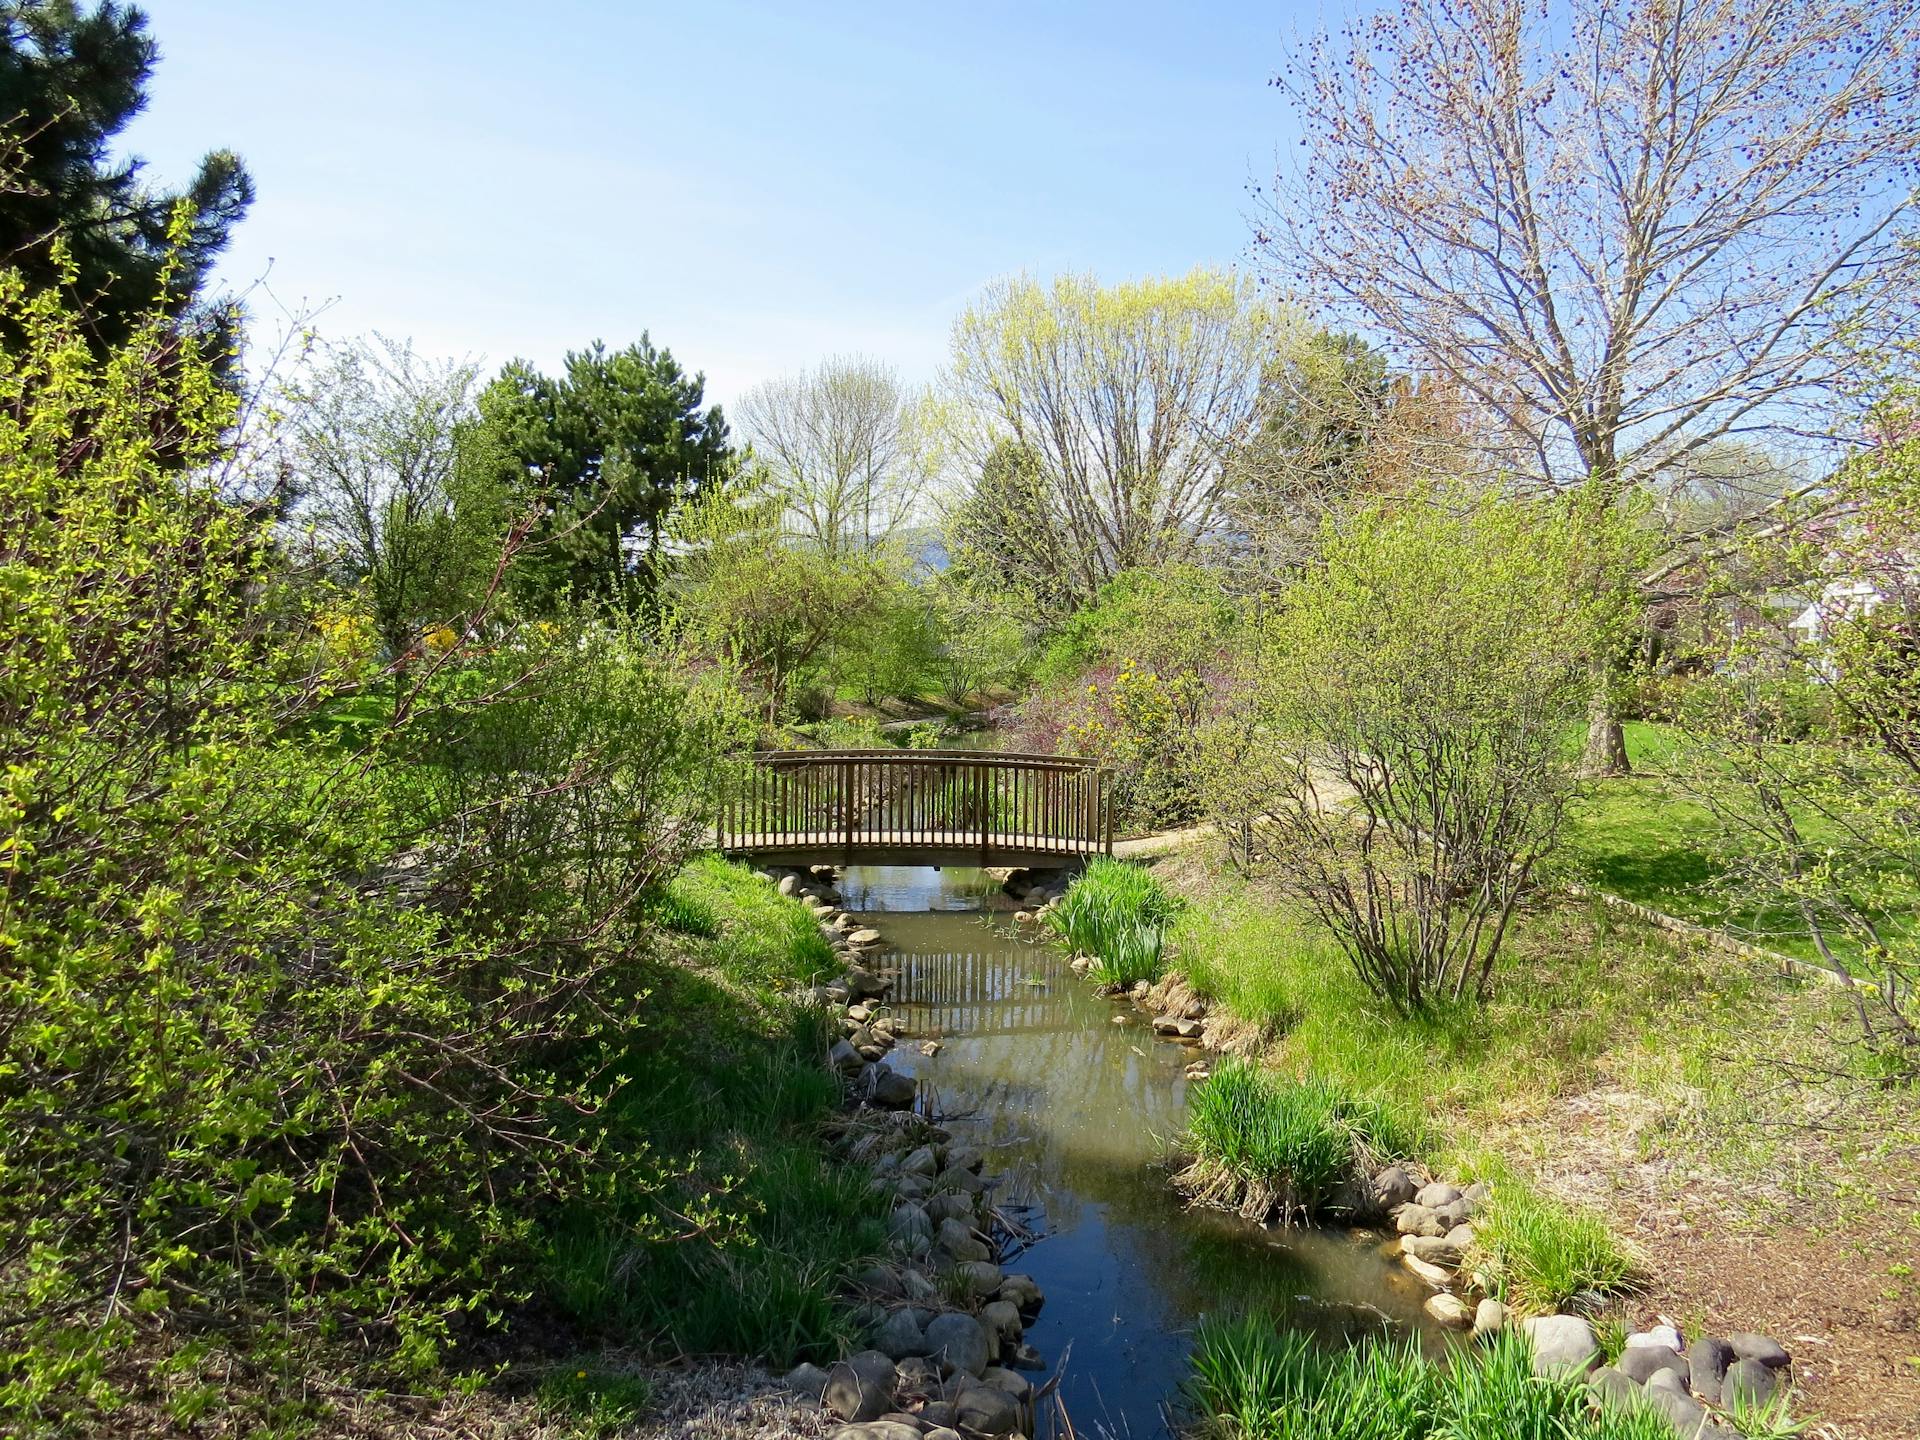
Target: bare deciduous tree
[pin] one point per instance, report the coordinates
(1628, 229)
(845, 446)
(377, 434)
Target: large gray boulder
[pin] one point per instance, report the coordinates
(1417, 1219)
(900, 1336)
(882, 1429)
(1639, 1363)
(980, 1278)
(891, 1089)
(1002, 1317)
(950, 1205)
(1434, 1251)
(1747, 1382)
(956, 1237)
(1437, 1194)
(1687, 1415)
(987, 1410)
(1562, 1344)
(911, 1228)
(1759, 1348)
(959, 1342)
(1023, 1291)
(860, 1387)
(1613, 1387)
(807, 1380)
(1707, 1362)
(1393, 1187)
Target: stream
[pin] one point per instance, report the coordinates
(1073, 1111)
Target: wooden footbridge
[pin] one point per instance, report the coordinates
(918, 807)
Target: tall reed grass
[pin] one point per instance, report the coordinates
(1253, 1381)
(1119, 914)
(1274, 1145)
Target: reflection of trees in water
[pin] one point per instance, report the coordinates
(1073, 1111)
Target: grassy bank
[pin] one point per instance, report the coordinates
(746, 1248)
(1649, 838)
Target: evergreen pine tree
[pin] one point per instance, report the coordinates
(71, 79)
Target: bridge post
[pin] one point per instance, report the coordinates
(846, 804)
(984, 783)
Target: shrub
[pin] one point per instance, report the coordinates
(1119, 914)
(1266, 1144)
(571, 768)
(1543, 1254)
(296, 1070)
(1408, 760)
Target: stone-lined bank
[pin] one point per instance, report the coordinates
(944, 1322)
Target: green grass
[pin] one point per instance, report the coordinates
(1252, 1381)
(765, 936)
(1575, 988)
(1646, 837)
(1540, 1254)
(594, 1403)
(1119, 914)
(1265, 1144)
(747, 1248)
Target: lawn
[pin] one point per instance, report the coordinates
(1645, 838)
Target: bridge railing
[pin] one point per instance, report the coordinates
(846, 801)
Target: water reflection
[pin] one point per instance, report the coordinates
(1075, 1112)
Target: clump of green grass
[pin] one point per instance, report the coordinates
(1772, 1420)
(1119, 914)
(1253, 1381)
(1543, 1254)
(766, 937)
(678, 909)
(594, 1402)
(1264, 1144)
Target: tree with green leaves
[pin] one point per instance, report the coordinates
(614, 443)
(71, 79)
(745, 592)
(1321, 402)
(1122, 405)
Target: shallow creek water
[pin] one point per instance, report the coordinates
(1073, 1112)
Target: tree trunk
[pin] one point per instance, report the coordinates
(1605, 752)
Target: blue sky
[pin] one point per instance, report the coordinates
(757, 184)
